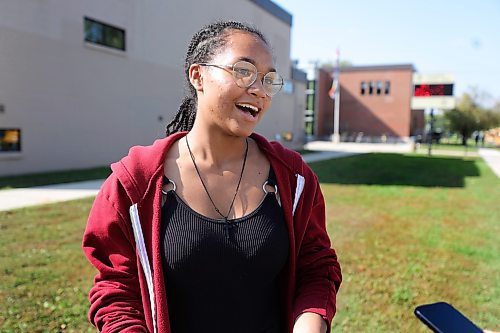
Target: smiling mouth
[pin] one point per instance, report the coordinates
(248, 108)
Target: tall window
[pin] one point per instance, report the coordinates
(379, 87)
(10, 140)
(363, 88)
(309, 112)
(387, 87)
(104, 34)
(370, 88)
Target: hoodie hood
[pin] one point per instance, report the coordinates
(136, 171)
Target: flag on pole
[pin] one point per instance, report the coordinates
(335, 75)
(332, 90)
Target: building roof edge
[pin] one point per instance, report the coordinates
(379, 68)
(274, 10)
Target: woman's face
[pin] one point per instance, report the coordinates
(221, 102)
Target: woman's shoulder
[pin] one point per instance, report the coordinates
(145, 158)
(276, 150)
(139, 166)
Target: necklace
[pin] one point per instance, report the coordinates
(227, 225)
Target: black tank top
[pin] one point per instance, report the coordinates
(223, 277)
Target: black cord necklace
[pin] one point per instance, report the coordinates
(227, 225)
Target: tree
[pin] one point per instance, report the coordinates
(489, 119)
(469, 116)
(330, 66)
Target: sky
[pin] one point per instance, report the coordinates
(438, 37)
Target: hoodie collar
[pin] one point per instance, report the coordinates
(137, 171)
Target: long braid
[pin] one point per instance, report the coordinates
(204, 45)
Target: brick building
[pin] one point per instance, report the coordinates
(375, 104)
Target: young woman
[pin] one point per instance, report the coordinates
(214, 229)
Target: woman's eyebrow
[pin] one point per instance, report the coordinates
(250, 60)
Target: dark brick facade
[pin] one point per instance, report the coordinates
(384, 110)
(376, 113)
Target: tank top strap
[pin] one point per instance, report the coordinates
(271, 182)
(167, 181)
(271, 179)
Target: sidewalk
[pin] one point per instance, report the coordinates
(492, 158)
(40, 195)
(352, 147)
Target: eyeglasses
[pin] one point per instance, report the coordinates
(245, 74)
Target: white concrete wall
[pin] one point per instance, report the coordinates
(80, 105)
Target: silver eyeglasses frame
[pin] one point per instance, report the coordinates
(271, 89)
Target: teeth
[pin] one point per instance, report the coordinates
(248, 106)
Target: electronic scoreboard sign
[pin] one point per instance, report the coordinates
(436, 89)
(432, 91)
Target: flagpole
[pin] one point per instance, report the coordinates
(336, 101)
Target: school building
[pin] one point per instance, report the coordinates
(377, 104)
(83, 81)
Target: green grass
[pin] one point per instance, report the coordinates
(408, 230)
(57, 177)
(44, 277)
(411, 230)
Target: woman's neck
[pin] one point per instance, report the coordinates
(216, 149)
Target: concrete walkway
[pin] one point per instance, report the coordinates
(325, 155)
(492, 158)
(40, 195)
(352, 147)
(26, 197)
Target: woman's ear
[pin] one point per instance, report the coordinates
(196, 77)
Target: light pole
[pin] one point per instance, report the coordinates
(431, 130)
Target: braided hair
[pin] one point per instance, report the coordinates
(203, 47)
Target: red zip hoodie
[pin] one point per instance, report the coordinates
(122, 240)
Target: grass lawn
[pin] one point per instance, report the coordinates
(44, 277)
(409, 229)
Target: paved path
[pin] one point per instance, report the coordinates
(40, 195)
(25, 197)
(492, 158)
(359, 147)
(325, 155)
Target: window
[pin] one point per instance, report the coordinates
(363, 87)
(387, 87)
(309, 112)
(288, 87)
(310, 102)
(104, 34)
(370, 89)
(379, 87)
(10, 140)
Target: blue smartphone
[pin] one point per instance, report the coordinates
(441, 317)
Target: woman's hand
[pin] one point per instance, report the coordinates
(309, 322)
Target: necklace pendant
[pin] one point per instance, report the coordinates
(227, 226)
